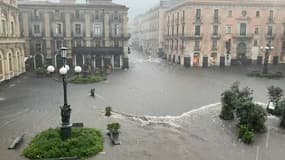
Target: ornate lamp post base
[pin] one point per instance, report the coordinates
(65, 131)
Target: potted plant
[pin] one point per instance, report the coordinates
(113, 133)
(108, 111)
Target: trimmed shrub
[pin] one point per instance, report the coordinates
(248, 137)
(78, 79)
(108, 111)
(85, 142)
(42, 72)
(114, 127)
(258, 74)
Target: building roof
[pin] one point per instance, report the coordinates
(98, 51)
(49, 3)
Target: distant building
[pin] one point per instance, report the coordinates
(11, 45)
(149, 28)
(197, 31)
(96, 32)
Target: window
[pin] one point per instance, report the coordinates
(214, 44)
(116, 16)
(36, 13)
(10, 63)
(1, 67)
(256, 30)
(38, 48)
(271, 14)
(117, 29)
(116, 61)
(255, 43)
(77, 14)
(243, 13)
(12, 28)
(77, 43)
(96, 15)
(183, 28)
(228, 29)
(215, 30)
(3, 26)
(57, 15)
(116, 43)
(97, 43)
(283, 30)
(197, 45)
(37, 29)
(198, 14)
(283, 46)
(97, 29)
(183, 15)
(58, 29)
(270, 30)
(197, 30)
(243, 29)
(58, 44)
(257, 14)
(216, 13)
(230, 13)
(78, 29)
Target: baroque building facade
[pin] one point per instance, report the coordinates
(224, 32)
(95, 33)
(12, 53)
(149, 28)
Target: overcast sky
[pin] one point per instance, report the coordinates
(137, 6)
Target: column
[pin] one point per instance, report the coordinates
(112, 61)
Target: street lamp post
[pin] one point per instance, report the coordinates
(65, 129)
(268, 50)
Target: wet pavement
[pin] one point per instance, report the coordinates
(150, 87)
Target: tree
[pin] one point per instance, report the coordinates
(228, 105)
(253, 116)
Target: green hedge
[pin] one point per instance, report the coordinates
(79, 79)
(85, 142)
(277, 75)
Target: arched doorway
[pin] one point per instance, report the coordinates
(79, 60)
(39, 61)
(196, 59)
(241, 52)
(10, 63)
(213, 59)
(1, 67)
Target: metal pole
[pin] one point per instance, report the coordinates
(265, 68)
(65, 110)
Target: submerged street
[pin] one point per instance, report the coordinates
(150, 87)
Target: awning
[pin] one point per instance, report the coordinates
(98, 51)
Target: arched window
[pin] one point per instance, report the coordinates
(10, 62)
(1, 66)
(19, 61)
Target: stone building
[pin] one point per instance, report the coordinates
(224, 32)
(11, 45)
(149, 30)
(95, 32)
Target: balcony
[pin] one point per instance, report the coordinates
(271, 20)
(191, 37)
(120, 36)
(216, 20)
(270, 36)
(243, 36)
(216, 36)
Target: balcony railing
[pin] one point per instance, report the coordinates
(120, 36)
(243, 36)
(270, 35)
(216, 36)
